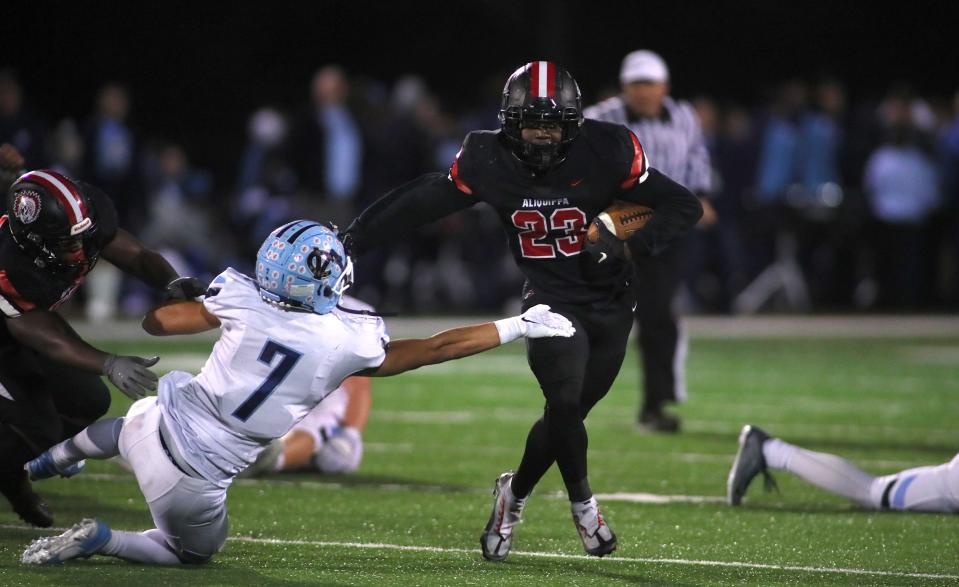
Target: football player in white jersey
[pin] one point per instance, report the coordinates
(330, 438)
(284, 346)
(923, 489)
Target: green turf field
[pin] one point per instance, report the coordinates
(438, 437)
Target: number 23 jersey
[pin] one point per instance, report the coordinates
(546, 215)
(267, 370)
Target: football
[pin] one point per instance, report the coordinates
(622, 219)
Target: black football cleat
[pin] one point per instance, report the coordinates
(749, 463)
(27, 504)
(657, 421)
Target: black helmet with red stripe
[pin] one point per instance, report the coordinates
(540, 93)
(53, 221)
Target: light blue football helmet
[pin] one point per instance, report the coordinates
(303, 265)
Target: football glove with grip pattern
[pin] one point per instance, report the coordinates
(131, 375)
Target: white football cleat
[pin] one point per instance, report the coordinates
(83, 540)
(598, 538)
(497, 538)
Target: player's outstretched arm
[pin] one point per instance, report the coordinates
(179, 317)
(132, 257)
(421, 201)
(49, 334)
(406, 355)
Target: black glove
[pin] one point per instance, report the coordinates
(348, 245)
(131, 375)
(185, 288)
(607, 247)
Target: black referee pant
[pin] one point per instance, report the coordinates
(655, 287)
(41, 403)
(574, 374)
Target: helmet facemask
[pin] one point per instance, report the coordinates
(527, 102)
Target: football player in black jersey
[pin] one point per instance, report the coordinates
(547, 172)
(53, 233)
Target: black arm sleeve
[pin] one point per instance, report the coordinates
(421, 201)
(677, 211)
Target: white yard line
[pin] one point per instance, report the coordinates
(556, 556)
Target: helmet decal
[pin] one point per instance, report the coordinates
(26, 206)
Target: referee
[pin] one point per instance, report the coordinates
(673, 140)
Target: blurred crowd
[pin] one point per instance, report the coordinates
(823, 203)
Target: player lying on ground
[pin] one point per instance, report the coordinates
(923, 489)
(328, 440)
(284, 346)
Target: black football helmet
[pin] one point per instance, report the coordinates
(540, 92)
(52, 221)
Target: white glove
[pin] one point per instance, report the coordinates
(537, 322)
(342, 453)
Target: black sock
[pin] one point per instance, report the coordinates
(579, 491)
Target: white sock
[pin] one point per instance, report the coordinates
(834, 474)
(99, 440)
(578, 507)
(280, 463)
(142, 547)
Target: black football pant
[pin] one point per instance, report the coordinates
(41, 403)
(657, 281)
(574, 374)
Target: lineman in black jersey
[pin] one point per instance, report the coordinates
(547, 172)
(53, 233)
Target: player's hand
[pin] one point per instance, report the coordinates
(185, 288)
(131, 375)
(10, 158)
(607, 247)
(342, 453)
(539, 322)
(348, 245)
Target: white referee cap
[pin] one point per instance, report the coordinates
(644, 66)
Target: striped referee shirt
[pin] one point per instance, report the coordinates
(673, 142)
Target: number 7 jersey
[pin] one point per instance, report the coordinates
(267, 370)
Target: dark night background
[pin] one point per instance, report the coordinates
(197, 70)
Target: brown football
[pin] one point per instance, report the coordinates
(622, 219)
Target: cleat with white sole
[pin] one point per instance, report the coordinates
(598, 538)
(749, 462)
(81, 541)
(497, 538)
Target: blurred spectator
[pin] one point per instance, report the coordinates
(110, 155)
(179, 225)
(821, 137)
(18, 126)
(781, 144)
(67, 149)
(266, 185)
(902, 186)
(110, 162)
(327, 146)
(714, 271)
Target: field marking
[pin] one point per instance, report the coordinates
(621, 496)
(554, 555)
